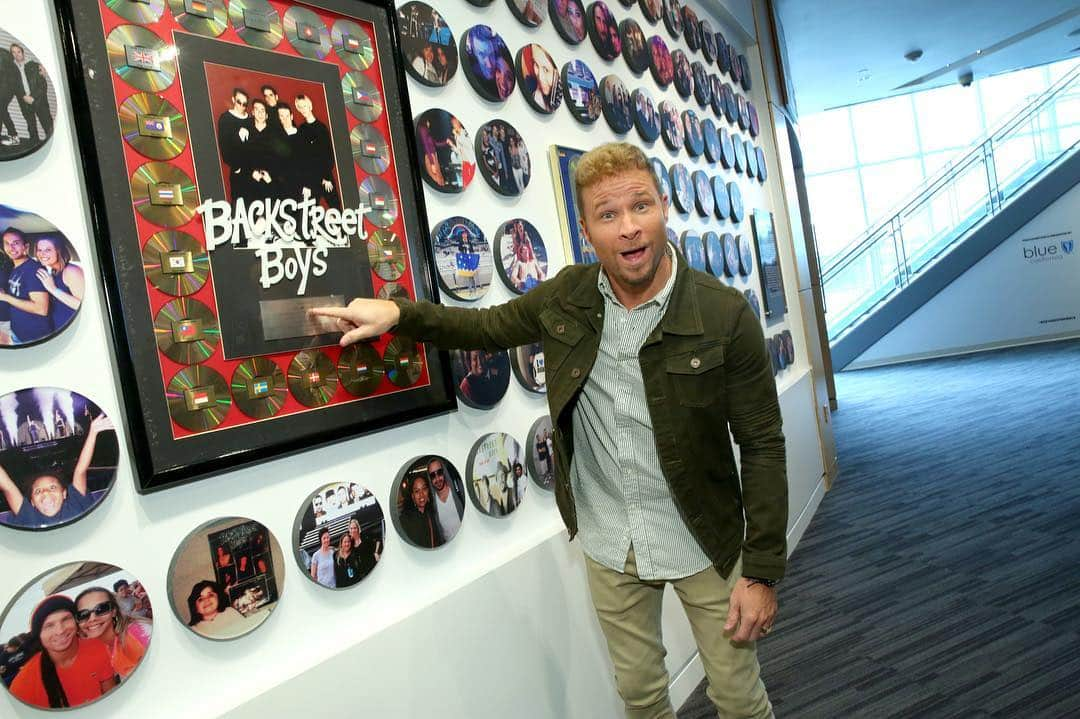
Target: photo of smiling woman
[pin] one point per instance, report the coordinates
(84, 639)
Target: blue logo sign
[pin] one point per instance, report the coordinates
(1067, 245)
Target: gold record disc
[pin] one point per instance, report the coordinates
(164, 194)
(256, 22)
(370, 149)
(352, 44)
(307, 34)
(186, 331)
(360, 369)
(198, 398)
(375, 192)
(141, 58)
(392, 290)
(313, 378)
(361, 96)
(175, 263)
(140, 11)
(258, 387)
(153, 126)
(386, 255)
(203, 17)
(403, 360)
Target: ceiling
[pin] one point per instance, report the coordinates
(840, 52)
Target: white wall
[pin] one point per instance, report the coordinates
(1005, 299)
(521, 634)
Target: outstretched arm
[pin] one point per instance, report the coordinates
(98, 425)
(12, 495)
(38, 304)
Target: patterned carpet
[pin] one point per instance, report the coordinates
(941, 575)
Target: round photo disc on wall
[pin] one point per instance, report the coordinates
(568, 17)
(736, 68)
(712, 140)
(731, 105)
(480, 377)
(541, 453)
(721, 206)
(743, 112)
(75, 612)
(789, 346)
(581, 92)
(671, 125)
(616, 104)
(538, 76)
(527, 362)
(652, 10)
(603, 30)
(755, 304)
(683, 75)
(661, 174)
(495, 476)
(744, 69)
(682, 189)
(487, 63)
(703, 196)
(693, 250)
(690, 28)
(635, 48)
(427, 503)
(716, 95)
(735, 202)
(522, 259)
(723, 57)
(39, 268)
(480, 3)
(463, 259)
(338, 535)
(694, 140)
(530, 13)
(762, 173)
(672, 15)
(774, 355)
(503, 158)
(226, 578)
(755, 123)
(714, 252)
(731, 254)
(727, 149)
(58, 457)
(708, 41)
(751, 159)
(646, 118)
(663, 72)
(702, 84)
(672, 238)
(447, 161)
(427, 44)
(740, 153)
(746, 257)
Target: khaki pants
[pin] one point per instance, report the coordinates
(629, 613)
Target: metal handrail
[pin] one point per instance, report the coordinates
(949, 171)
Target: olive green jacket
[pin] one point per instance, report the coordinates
(706, 370)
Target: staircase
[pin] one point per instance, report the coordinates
(952, 220)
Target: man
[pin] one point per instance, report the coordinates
(122, 590)
(270, 95)
(8, 81)
(14, 654)
(31, 90)
(50, 501)
(649, 364)
(25, 294)
(317, 172)
(449, 502)
(234, 129)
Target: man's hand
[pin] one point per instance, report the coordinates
(753, 611)
(362, 319)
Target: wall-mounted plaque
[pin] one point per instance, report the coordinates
(521, 257)
(768, 260)
(487, 62)
(541, 454)
(603, 30)
(539, 78)
(581, 92)
(568, 17)
(427, 503)
(338, 535)
(660, 65)
(635, 48)
(480, 377)
(463, 258)
(496, 476)
(503, 158)
(646, 117)
(616, 103)
(431, 55)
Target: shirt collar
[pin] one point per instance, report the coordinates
(661, 297)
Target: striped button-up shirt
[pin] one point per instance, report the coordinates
(620, 493)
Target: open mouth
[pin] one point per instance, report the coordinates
(633, 256)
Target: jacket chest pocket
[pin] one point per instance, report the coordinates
(561, 335)
(697, 376)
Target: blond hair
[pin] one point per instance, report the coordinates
(608, 160)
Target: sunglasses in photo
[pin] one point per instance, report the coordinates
(99, 611)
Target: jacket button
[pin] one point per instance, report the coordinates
(559, 329)
(575, 373)
(695, 363)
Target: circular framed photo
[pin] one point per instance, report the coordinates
(708, 41)
(727, 149)
(503, 158)
(762, 173)
(693, 250)
(463, 258)
(740, 153)
(646, 119)
(616, 104)
(31, 91)
(731, 105)
(755, 304)
(487, 62)
(541, 454)
(671, 125)
(42, 281)
(746, 257)
(603, 30)
(736, 67)
(495, 476)
(661, 174)
(58, 457)
(427, 503)
(480, 3)
(789, 346)
(731, 255)
(744, 71)
(703, 196)
(75, 634)
(681, 187)
(716, 97)
(672, 15)
(735, 202)
(652, 10)
(568, 17)
(581, 92)
(446, 153)
(723, 54)
(694, 139)
(690, 28)
(712, 140)
(663, 72)
(714, 253)
(527, 362)
(427, 44)
(743, 113)
(226, 578)
(480, 377)
(530, 13)
(635, 48)
(522, 256)
(721, 208)
(755, 122)
(751, 159)
(702, 84)
(683, 76)
(338, 535)
(539, 78)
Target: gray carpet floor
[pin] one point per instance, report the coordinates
(941, 575)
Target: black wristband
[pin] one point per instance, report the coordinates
(763, 581)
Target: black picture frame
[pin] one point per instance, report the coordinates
(165, 455)
(773, 299)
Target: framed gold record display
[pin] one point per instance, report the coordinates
(248, 161)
